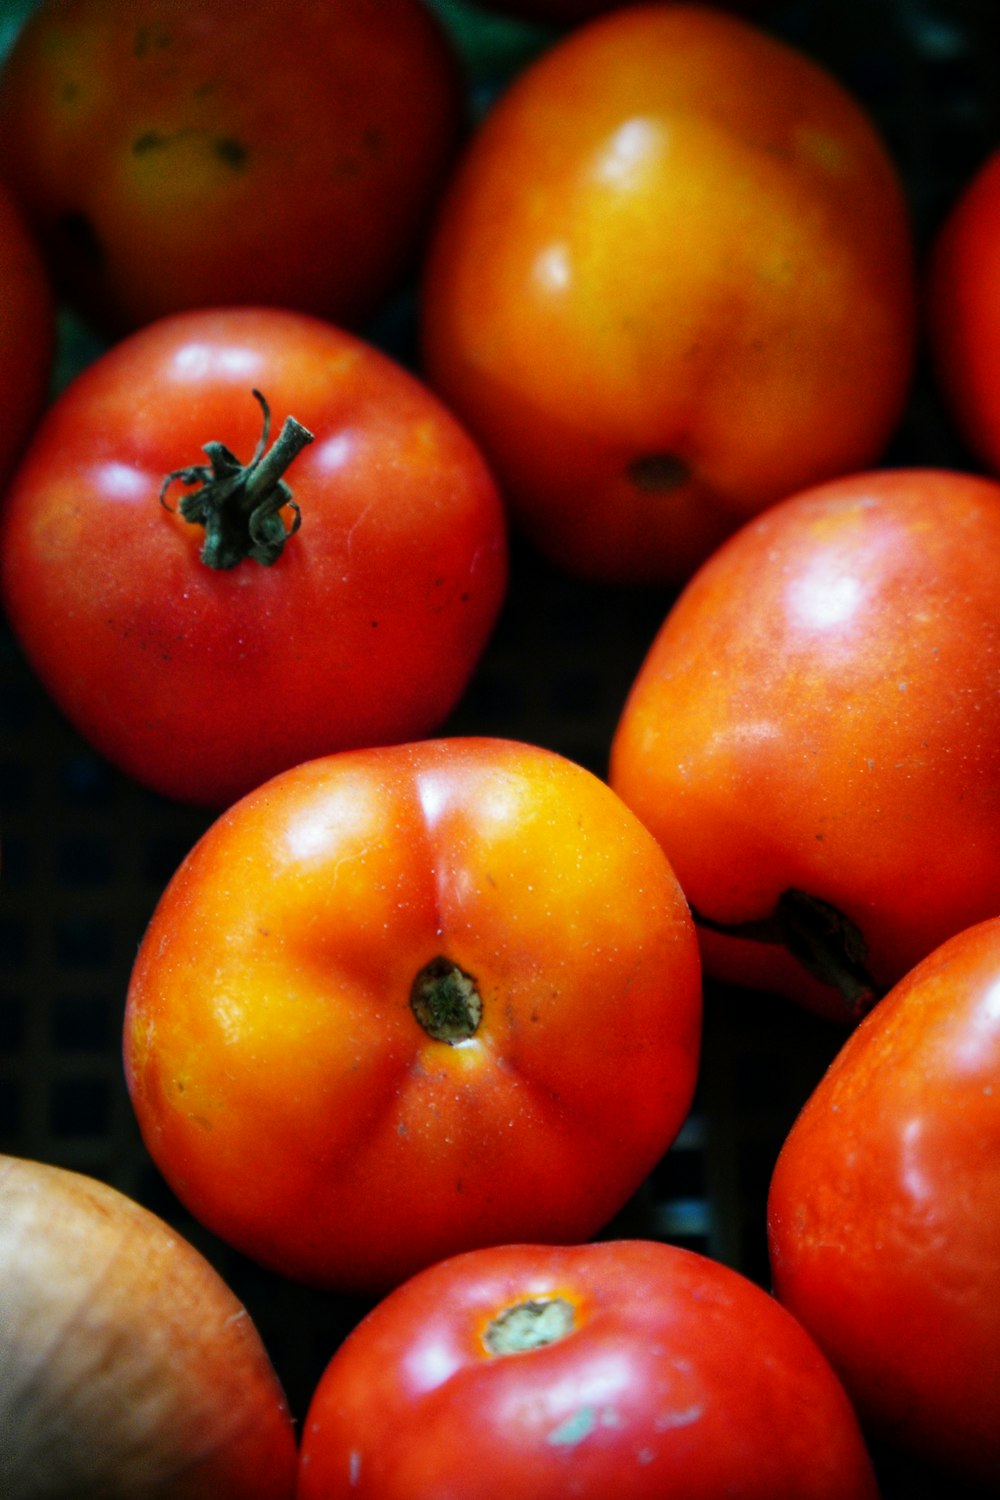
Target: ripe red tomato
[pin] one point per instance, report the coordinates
(173, 155)
(27, 333)
(456, 1002)
(963, 310)
(814, 736)
(198, 680)
(624, 1368)
(884, 1211)
(670, 283)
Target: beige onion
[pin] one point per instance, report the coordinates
(127, 1367)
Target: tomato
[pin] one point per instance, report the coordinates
(814, 735)
(173, 155)
(884, 1211)
(670, 283)
(963, 311)
(624, 1368)
(570, 12)
(199, 674)
(27, 333)
(457, 1001)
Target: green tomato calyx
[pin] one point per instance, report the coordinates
(240, 505)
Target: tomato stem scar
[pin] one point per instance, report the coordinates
(240, 505)
(529, 1325)
(446, 1002)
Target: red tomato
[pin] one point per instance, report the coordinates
(814, 736)
(456, 1002)
(173, 155)
(27, 333)
(884, 1212)
(963, 309)
(626, 1368)
(671, 282)
(198, 680)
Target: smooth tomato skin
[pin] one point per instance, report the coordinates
(819, 712)
(884, 1210)
(200, 683)
(173, 155)
(962, 297)
(670, 283)
(677, 1376)
(27, 333)
(284, 1084)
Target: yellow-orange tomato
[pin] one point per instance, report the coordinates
(671, 283)
(408, 1001)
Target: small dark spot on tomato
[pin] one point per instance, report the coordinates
(373, 140)
(231, 151)
(658, 473)
(80, 238)
(70, 91)
(150, 39)
(150, 140)
(374, 624)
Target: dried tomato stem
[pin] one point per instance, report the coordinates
(239, 505)
(820, 937)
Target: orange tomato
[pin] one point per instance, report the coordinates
(814, 735)
(407, 1001)
(963, 311)
(671, 282)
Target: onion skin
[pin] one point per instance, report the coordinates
(127, 1366)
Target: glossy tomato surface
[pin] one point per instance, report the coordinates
(623, 1368)
(173, 155)
(963, 310)
(403, 1002)
(670, 283)
(884, 1211)
(27, 332)
(814, 735)
(200, 681)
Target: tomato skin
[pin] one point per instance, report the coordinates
(174, 156)
(201, 683)
(963, 311)
(884, 1210)
(282, 1081)
(678, 1376)
(27, 333)
(819, 712)
(762, 339)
